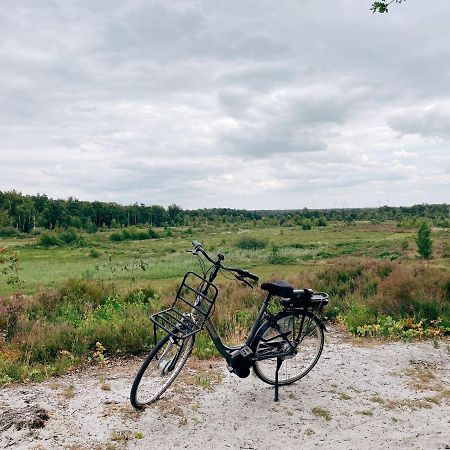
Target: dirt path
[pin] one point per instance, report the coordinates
(393, 395)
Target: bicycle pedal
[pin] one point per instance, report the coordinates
(246, 351)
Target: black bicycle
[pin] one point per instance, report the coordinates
(281, 348)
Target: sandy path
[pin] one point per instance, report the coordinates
(393, 395)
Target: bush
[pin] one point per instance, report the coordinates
(143, 295)
(134, 235)
(49, 239)
(276, 258)
(322, 222)
(94, 253)
(357, 316)
(11, 309)
(8, 232)
(58, 238)
(413, 291)
(250, 243)
(70, 236)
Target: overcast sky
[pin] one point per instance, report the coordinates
(255, 104)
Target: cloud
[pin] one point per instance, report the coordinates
(262, 142)
(428, 122)
(240, 104)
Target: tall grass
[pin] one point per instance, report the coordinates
(59, 327)
(45, 333)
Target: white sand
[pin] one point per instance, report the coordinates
(390, 396)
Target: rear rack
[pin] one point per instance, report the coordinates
(191, 308)
(315, 301)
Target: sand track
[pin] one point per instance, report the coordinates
(391, 395)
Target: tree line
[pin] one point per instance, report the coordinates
(26, 212)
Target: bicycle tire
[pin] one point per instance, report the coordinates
(153, 379)
(307, 352)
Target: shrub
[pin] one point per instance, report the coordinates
(8, 232)
(276, 258)
(142, 295)
(134, 235)
(322, 222)
(413, 291)
(94, 253)
(424, 241)
(85, 293)
(357, 316)
(250, 243)
(11, 308)
(70, 236)
(442, 223)
(49, 239)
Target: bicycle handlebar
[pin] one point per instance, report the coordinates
(241, 273)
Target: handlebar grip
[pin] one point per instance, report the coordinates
(247, 274)
(253, 276)
(196, 245)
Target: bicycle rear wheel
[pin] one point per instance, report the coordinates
(160, 369)
(307, 352)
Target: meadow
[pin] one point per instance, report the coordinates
(66, 299)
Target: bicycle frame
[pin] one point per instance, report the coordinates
(226, 350)
(201, 310)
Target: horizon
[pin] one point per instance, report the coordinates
(72, 198)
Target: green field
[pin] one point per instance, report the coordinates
(58, 302)
(159, 261)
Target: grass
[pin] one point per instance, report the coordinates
(204, 381)
(344, 396)
(166, 258)
(366, 412)
(89, 302)
(69, 391)
(322, 413)
(377, 399)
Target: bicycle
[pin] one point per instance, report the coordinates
(292, 338)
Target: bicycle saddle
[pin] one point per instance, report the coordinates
(280, 288)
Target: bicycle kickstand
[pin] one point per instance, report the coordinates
(279, 362)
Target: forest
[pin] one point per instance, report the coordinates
(23, 213)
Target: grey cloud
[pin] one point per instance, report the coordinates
(162, 100)
(254, 143)
(429, 122)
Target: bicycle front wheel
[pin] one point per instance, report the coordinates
(160, 369)
(304, 328)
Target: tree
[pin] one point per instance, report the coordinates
(175, 214)
(383, 6)
(424, 241)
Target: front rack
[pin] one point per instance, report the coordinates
(191, 308)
